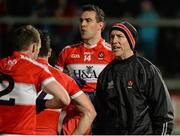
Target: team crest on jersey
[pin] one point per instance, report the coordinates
(130, 83)
(101, 55)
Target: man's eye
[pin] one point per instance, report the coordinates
(89, 20)
(111, 37)
(80, 20)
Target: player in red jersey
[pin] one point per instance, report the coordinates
(47, 121)
(20, 75)
(86, 59)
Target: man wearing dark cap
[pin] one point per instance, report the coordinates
(131, 96)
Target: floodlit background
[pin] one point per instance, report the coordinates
(157, 22)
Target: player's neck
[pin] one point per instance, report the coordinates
(28, 53)
(44, 58)
(92, 41)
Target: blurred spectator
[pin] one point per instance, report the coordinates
(148, 35)
(67, 10)
(19, 7)
(3, 28)
(3, 8)
(41, 9)
(4, 49)
(169, 57)
(66, 33)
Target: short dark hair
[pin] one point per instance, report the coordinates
(99, 12)
(23, 36)
(45, 44)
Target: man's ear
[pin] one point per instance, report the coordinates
(34, 46)
(102, 25)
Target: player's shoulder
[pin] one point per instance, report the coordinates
(56, 71)
(106, 45)
(72, 46)
(34, 64)
(69, 48)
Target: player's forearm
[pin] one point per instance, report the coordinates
(58, 91)
(85, 123)
(54, 103)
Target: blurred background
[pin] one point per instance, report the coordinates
(157, 22)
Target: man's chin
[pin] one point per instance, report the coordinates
(116, 54)
(84, 36)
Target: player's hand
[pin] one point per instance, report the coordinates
(81, 82)
(40, 105)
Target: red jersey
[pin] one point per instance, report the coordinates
(85, 62)
(47, 121)
(17, 105)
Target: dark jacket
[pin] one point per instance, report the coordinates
(132, 98)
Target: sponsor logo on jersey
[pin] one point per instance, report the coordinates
(101, 55)
(12, 62)
(75, 56)
(86, 72)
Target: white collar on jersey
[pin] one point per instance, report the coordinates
(90, 46)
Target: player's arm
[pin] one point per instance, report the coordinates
(61, 97)
(84, 105)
